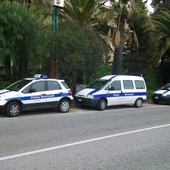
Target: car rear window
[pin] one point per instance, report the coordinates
(65, 84)
(53, 85)
(128, 84)
(139, 84)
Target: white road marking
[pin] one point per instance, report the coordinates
(80, 142)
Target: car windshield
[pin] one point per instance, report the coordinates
(98, 84)
(166, 87)
(18, 85)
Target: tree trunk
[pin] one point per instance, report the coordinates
(118, 54)
(8, 67)
(53, 68)
(23, 64)
(161, 70)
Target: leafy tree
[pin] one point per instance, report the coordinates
(22, 39)
(161, 36)
(80, 53)
(159, 4)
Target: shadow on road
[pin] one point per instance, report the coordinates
(77, 108)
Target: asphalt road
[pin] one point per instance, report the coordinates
(119, 138)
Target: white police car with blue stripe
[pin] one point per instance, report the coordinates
(38, 92)
(113, 90)
(162, 95)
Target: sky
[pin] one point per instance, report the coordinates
(149, 6)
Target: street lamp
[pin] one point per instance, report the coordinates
(56, 4)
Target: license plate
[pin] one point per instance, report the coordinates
(156, 97)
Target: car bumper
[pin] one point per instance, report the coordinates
(161, 98)
(86, 101)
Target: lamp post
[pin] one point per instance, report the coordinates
(56, 5)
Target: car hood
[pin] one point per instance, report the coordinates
(5, 92)
(160, 91)
(85, 92)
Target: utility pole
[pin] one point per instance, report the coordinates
(56, 5)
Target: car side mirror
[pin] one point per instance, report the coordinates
(110, 87)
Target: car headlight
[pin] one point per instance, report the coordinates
(2, 97)
(90, 96)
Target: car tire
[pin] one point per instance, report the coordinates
(13, 109)
(64, 106)
(101, 104)
(138, 103)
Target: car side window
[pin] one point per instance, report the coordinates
(139, 84)
(53, 85)
(115, 85)
(38, 86)
(26, 90)
(35, 87)
(128, 84)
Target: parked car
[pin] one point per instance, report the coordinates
(162, 95)
(113, 90)
(38, 92)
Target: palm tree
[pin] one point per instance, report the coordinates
(161, 35)
(82, 12)
(119, 16)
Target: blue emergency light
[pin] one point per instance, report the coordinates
(43, 76)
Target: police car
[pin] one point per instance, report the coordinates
(162, 95)
(34, 93)
(113, 90)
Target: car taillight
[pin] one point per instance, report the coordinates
(69, 91)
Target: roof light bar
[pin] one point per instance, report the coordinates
(41, 76)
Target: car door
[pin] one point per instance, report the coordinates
(54, 92)
(114, 93)
(128, 92)
(33, 95)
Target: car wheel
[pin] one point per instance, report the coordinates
(64, 106)
(139, 103)
(13, 109)
(101, 104)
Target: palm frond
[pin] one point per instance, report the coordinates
(117, 38)
(136, 39)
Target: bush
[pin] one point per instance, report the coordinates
(4, 84)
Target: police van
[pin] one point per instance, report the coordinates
(113, 90)
(38, 92)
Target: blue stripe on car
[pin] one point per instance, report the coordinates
(165, 91)
(5, 92)
(94, 91)
(48, 96)
(112, 77)
(119, 94)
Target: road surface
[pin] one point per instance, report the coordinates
(119, 138)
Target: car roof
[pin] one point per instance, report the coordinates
(110, 77)
(33, 78)
(41, 77)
